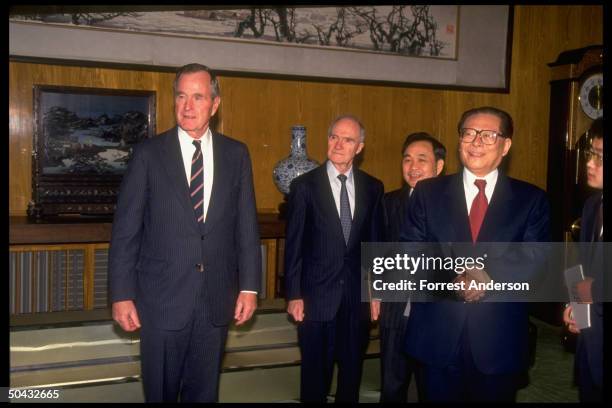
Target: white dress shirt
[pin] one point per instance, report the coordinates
(187, 150)
(336, 185)
(471, 190)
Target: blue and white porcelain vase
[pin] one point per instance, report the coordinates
(296, 163)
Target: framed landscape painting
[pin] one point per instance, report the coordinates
(83, 139)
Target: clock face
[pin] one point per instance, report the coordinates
(591, 96)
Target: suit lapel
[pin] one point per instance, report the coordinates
(460, 221)
(361, 199)
(588, 221)
(326, 198)
(495, 219)
(402, 203)
(172, 162)
(222, 171)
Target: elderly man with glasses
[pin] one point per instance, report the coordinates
(472, 348)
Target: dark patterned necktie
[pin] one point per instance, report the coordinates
(345, 209)
(196, 184)
(479, 208)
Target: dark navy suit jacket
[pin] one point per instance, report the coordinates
(590, 341)
(396, 204)
(319, 266)
(156, 241)
(497, 332)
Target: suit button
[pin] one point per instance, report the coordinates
(200, 267)
(202, 237)
(342, 281)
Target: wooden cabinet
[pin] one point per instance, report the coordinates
(60, 265)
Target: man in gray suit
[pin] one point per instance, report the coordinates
(185, 251)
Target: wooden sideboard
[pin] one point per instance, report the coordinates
(59, 264)
(63, 230)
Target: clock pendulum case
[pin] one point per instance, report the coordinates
(576, 100)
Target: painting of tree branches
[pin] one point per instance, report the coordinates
(407, 30)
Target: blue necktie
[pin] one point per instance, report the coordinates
(345, 209)
(196, 184)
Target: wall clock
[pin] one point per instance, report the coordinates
(591, 95)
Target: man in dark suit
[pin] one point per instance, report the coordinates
(422, 158)
(185, 241)
(332, 209)
(474, 349)
(589, 348)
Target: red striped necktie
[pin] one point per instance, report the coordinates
(196, 184)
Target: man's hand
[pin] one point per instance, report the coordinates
(582, 290)
(296, 309)
(469, 295)
(569, 321)
(478, 276)
(374, 309)
(124, 313)
(245, 306)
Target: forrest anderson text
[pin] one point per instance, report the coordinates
(405, 284)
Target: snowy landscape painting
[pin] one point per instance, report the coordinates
(90, 131)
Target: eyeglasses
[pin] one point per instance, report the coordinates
(595, 156)
(488, 137)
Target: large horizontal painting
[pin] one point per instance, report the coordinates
(409, 30)
(440, 45)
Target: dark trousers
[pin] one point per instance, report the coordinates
(396, 367)
(343, 340)
(462, 381)
(184, 363)
(588, 390)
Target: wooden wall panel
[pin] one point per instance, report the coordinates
(260, 112)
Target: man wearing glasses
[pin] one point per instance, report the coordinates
(472, 348)
(589, 349)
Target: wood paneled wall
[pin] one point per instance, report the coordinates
(260, 112)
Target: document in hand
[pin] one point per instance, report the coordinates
(581, 312)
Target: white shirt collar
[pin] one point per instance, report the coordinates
(470, 188)
(469, 177)
(186, 139)
(333, 172)
(336, 186)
